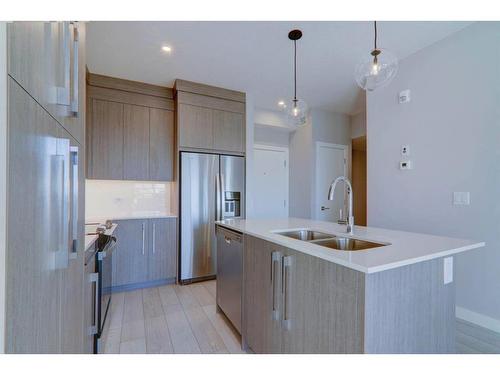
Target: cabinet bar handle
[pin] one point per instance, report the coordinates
(287, 265)
(76, 79)
(154, 238)
(143, 238)
(275, 262)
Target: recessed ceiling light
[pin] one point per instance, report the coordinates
(281, 103)
(166, 48)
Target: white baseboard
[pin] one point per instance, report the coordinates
(478, 319)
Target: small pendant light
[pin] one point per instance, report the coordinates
(376, 69)
(295, 109)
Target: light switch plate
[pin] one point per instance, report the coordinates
(405, 165)
(404, 96)
(461, 198)
(448, 270)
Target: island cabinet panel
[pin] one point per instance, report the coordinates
(410, 310)
(136, 142)
(322, 306)
(319, 305)
(261, 323)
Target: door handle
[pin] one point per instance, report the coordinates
(287, 266)
(275, 263)
(63, 92)
(143, 238)
(76, 79)
(324, 208)
(75, 197)
(228, 240)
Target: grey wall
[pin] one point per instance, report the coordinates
(453, 127)
(322, 126)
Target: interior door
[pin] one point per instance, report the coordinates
(199, 174)
(331, 162)
(270, 182)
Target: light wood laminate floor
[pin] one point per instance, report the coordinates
(183, 319)
(169, 319)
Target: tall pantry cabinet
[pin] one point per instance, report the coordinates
(45, 187)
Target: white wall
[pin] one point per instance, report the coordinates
(249, 154)
(358, 124)
(453, 127)
(3, 175)
(321, 126)
(271, 136)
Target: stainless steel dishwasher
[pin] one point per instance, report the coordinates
(230, 274)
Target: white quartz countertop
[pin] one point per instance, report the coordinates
(405, 247)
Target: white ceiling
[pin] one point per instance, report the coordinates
(255, 57)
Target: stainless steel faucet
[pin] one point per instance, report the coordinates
(350, 217)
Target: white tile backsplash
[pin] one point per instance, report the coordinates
(116, 199)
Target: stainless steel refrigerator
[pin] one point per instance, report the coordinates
(212, 188)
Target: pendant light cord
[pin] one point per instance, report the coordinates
(295, 71)
(375, 27)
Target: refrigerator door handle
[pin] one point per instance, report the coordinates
(218, 197)
(222, 196)
(74, 198)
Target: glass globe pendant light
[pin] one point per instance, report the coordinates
(377, 68)
(296, 109)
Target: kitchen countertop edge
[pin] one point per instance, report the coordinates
(333, 255)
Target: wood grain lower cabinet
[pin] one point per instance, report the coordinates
(162, 257)
(130, 265)
(146, 251)
(262, 291)
(295, 303)
(323, 307)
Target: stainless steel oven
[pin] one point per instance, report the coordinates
(104, 269)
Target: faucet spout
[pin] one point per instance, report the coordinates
(331, 191)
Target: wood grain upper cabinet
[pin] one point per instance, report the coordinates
(130, 130)
(105, 140)
(163, 249)
(135, 142)
(195, 127)
(161, 145)
(42, 60)
(130, 265)
(229, 131)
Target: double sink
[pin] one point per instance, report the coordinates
(330, 241)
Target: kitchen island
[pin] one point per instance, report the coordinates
(301, 295)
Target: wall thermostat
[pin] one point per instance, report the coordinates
(405, 150)
(404, 96)
(405, 164)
